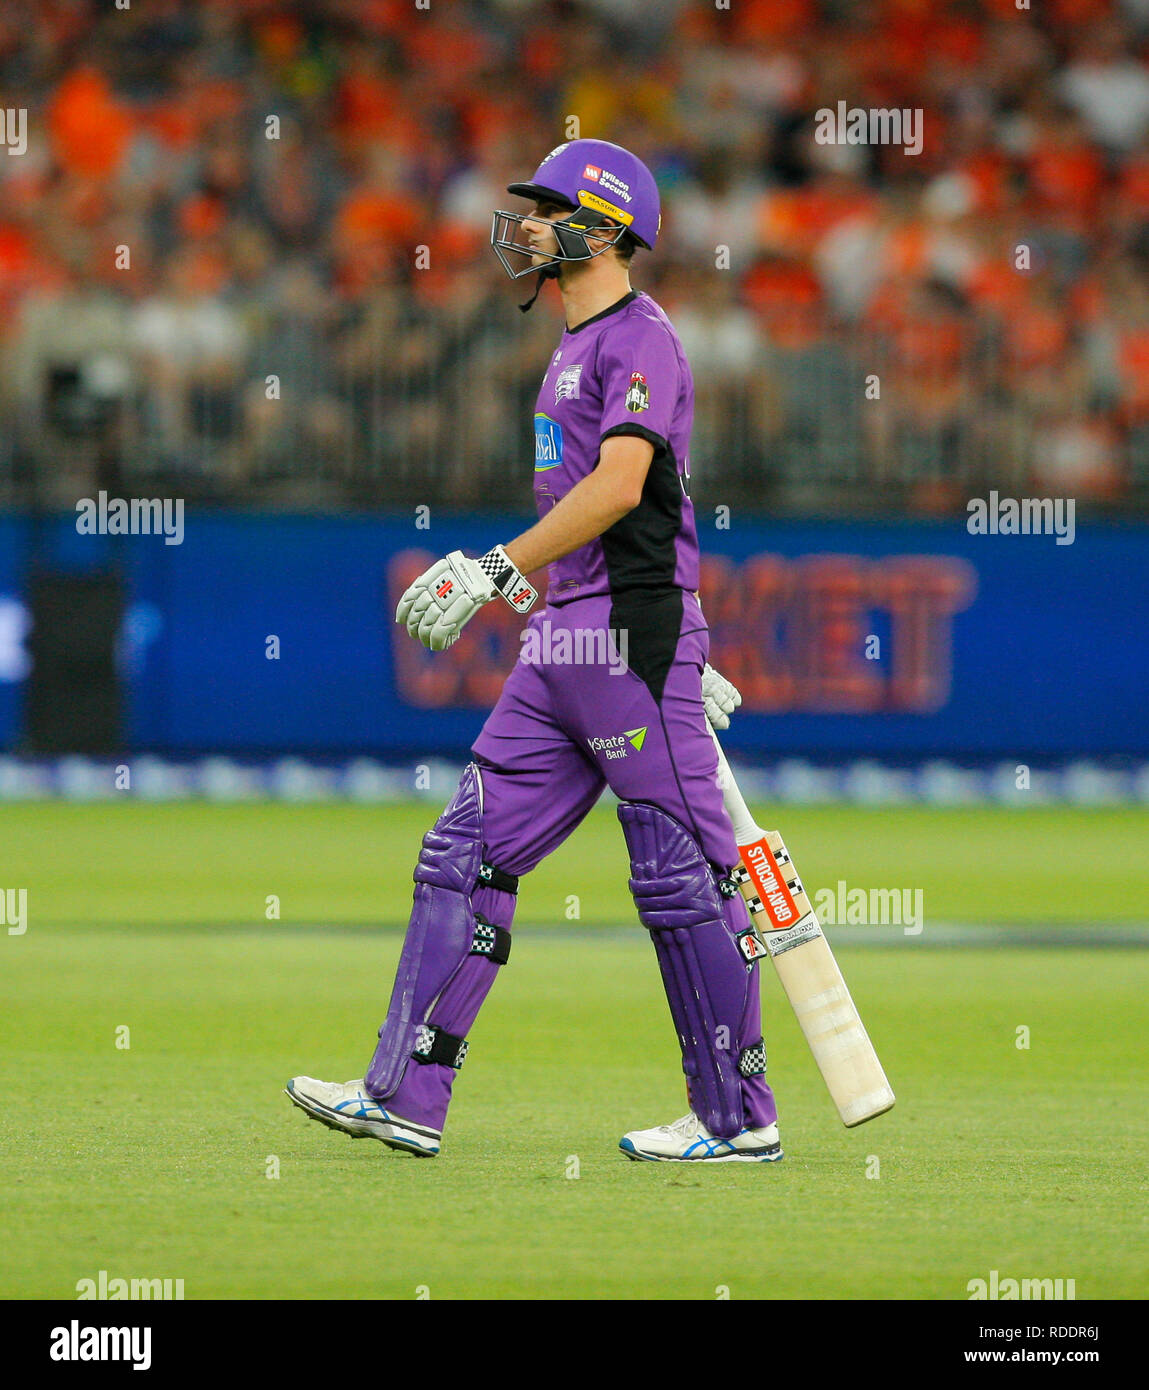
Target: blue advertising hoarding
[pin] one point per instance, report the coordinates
(272, 633)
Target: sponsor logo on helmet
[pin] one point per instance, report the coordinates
(566, 384)
(597, 204)
(619, 188)
(638, 395)
(548, 443)
(592, 172)
(558, 149)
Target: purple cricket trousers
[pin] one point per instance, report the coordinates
(580, 712)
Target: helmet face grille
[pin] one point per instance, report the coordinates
(504, 225)
(571, 234)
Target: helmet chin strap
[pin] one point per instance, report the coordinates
(572, 242)
(548, 272)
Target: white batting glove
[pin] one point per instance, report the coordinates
(719, 698)
(441, 602)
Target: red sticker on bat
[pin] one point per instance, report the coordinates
(769, 885)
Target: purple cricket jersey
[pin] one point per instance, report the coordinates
(621, 372)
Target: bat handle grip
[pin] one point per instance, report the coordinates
(746, 830)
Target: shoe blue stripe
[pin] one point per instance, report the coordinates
(367, 1110)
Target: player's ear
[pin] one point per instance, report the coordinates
(607, 236)
(624, 247)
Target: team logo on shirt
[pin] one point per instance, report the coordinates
(638, 394)
(566, 383)
(548, 442)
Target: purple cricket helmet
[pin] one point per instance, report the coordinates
(601, 183)
(604, 177)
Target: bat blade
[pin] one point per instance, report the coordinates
(790, 933)
(789, 929)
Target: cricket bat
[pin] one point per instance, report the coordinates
(788, 930)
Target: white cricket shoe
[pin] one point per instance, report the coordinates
(689, 1141)
(349, 1108)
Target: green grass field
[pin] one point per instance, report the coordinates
(152, 1161)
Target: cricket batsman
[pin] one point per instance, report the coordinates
(616, 529)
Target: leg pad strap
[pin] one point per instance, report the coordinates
(491, 877)
(491, 941)
(433, 1045)
(752, 1060)
(704, 972)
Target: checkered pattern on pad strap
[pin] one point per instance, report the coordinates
(433, 1045)
(752, 1060)
(490, 941)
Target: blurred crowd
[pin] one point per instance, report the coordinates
(244, 252)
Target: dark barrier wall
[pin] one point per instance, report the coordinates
(263, 633)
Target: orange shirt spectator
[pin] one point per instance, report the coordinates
(1133, 366)
(1134, 182)
(756, 20)
(374, 215)
(1065, 170)
(1036, 337)
(794, 221)
(996, 287)
(786, 296)
(90, 129)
